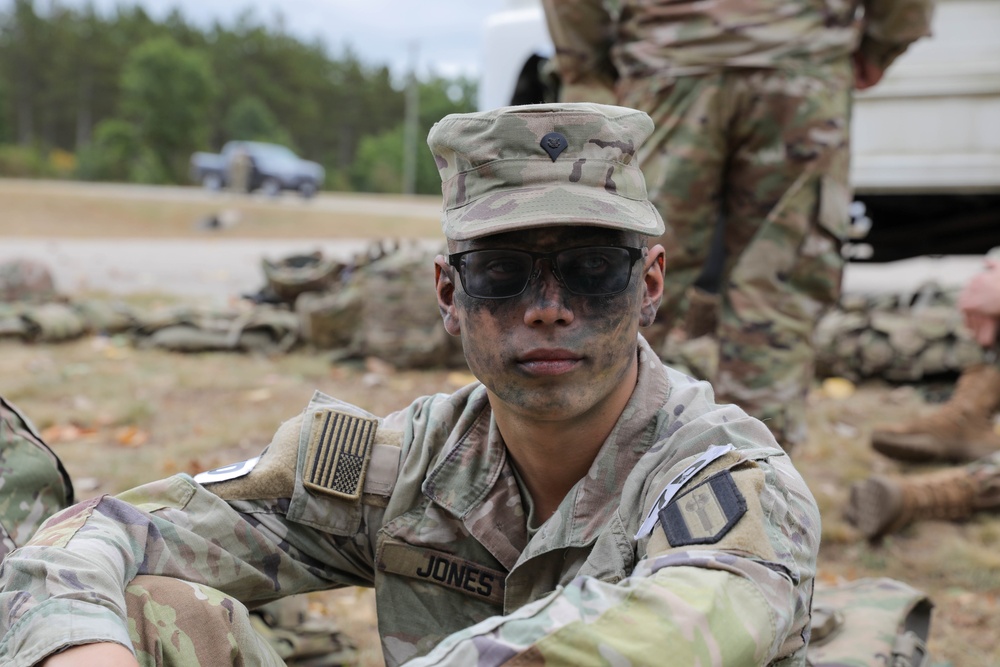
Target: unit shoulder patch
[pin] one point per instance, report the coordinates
(340, 447)
(705, 513)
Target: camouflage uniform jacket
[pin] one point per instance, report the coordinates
(441, 532)
(666, 38)
(33, 483)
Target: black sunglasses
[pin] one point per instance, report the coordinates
(588, 271)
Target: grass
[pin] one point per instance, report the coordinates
(76, 210)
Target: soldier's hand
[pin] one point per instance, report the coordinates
(106, 654)
(980, 303)
(866, 72)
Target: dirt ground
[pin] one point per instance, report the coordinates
(119, 416)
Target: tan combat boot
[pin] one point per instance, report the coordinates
(881, 505)
(960, 430)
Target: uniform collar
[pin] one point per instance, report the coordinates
(474, 480)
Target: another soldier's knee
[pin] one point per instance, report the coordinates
(174, 622)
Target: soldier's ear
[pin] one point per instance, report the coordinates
(653, 285)
(445, 287)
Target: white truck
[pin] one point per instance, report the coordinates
(925, 141)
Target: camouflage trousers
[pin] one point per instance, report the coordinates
(768, 152)
(176, 623)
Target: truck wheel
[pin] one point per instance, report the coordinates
(270, 187)
(211, 182)
(307, 189)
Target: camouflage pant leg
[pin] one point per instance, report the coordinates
(180, 624)
(768, 151)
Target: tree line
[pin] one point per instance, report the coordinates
(126, 97)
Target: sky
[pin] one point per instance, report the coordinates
(445, 35)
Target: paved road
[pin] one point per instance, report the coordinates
(215, 269)
(222, 268)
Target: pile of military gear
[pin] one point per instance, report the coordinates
(869, 622)
(896, 337)
(381, 303)
(901, 338)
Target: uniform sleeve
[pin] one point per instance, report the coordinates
(742, 599)
(581, 33)
(66, 587)
(890, 26)
(34, 484)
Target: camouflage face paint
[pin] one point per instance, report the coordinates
(547, 351)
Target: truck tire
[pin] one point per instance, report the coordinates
(270, 187)
(307, 189)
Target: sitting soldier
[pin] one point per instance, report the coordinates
(961, 430)
(580, 504)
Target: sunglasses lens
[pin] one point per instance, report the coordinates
(496, 274)
(595, 271)
(499, 274)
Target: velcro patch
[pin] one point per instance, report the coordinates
(340, 446)
(705, 513)
(437, 567)
(226, 473)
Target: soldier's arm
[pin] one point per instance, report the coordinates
(581, 34)
(742, 600)
(66, 587)
(34, 484)
(98, 655)
(890, 26)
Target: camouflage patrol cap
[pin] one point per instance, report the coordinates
(539, 165)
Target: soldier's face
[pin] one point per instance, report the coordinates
(549, 353)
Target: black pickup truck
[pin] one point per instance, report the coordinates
(274, 168)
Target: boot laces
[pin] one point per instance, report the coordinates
(948, 494)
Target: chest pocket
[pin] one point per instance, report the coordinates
(433, 578)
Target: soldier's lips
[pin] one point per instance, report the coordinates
(549, 362)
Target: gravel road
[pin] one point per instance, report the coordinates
(223, 268)
(215, 269)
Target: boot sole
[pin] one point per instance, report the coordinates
(872, 506)
(906, 447)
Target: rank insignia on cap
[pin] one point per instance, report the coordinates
(340, 446)
(705, 513)
(554, 144)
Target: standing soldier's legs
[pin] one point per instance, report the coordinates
(683, 161)
(769, 150)
(787, 202)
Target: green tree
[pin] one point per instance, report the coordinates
(167, 91)
(117, 153)
(249, 119)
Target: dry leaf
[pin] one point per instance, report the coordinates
(131, 436)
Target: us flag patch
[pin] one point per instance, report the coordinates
(339, 449)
